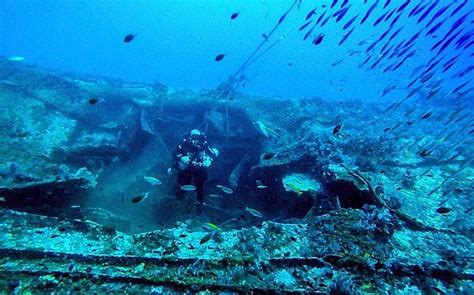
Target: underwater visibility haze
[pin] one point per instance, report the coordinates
(320, 147)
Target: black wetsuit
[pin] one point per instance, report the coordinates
(195, 173)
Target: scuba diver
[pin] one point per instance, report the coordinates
(191, 159)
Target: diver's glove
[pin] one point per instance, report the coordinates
(207, 161)
(183, 162)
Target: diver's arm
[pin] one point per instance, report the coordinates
(208, 155)
(180, 159)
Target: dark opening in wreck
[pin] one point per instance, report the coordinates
(240, 164)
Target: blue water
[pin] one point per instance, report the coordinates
(177, 41)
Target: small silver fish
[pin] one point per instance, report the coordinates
(260, 185)
(254, 212)
(188, 187)
(152, 180)
(215, 196)
(207, 237)
(16, 58)
(140, 198)
(225, 189)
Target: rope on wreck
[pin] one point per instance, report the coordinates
(227, 88)
(411, 222)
